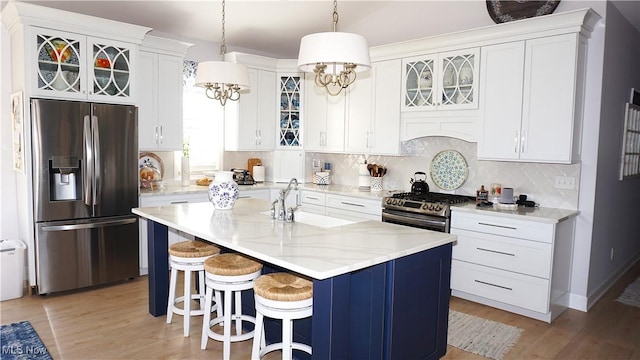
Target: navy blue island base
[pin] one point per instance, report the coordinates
(395, 310)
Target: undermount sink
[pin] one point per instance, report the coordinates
(312, 219)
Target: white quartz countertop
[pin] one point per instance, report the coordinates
(317, 252)
(540, 214)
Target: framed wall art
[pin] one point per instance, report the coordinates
(17, 125)
(630, 160)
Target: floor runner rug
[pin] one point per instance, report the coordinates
(631, 295)
(482, 337)
(21, 342)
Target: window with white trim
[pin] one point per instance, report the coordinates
(202, 125)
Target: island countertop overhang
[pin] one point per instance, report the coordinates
(316, 252)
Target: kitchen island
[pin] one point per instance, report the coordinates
(381, 291)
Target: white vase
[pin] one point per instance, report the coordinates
(223, 191)
(185, 173)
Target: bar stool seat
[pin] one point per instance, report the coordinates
(229, 274)
(187, 256)
(282, 296)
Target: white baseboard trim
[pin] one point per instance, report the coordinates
(584, 303)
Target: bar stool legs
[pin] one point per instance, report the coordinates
(229, 274)
(286, 297)
(187, 256)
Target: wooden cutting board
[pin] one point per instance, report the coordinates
(251, 163)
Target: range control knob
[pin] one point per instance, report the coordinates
(389, 201)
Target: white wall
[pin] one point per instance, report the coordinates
(616, 216)
(8, 210)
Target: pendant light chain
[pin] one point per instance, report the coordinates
(223, 46)
(335, 15)
(334, 57)
(222, 80)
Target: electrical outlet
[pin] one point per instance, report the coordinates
(565, 182)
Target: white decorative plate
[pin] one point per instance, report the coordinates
(152, 160)
(449, 170)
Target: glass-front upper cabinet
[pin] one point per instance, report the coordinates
(79, 67)
(289, 127)
(443, 81)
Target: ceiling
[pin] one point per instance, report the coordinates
(274, 27)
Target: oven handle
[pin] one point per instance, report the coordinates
(438, 224)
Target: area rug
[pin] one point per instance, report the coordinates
(631, 295)
(21, 342)
(480, 336)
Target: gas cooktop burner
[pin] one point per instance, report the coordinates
(431, 203)
(450, 199)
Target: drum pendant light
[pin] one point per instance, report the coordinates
(334, 57)
(222, 80)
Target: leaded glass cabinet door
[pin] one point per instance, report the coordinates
(111, 69)
(290, 127)
(444, 81)
(459, 79)
(420, 84)
(59, 69)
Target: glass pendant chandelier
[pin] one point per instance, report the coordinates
(334, 57)
(222, 80)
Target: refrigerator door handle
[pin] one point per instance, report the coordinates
(96, 160)
(89, 225)
(87, 173)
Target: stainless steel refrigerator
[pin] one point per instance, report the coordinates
(85, 169)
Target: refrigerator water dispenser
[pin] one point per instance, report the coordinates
(65, 178)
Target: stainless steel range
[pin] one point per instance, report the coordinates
(426, 210)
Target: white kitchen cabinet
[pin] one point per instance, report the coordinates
(78, 67)
(440, 95)
(288, 164)
(522, 266)
(340, 206)
(160, 97)
(373, 110)
(533, 119)
(443, 81)
(324, 118)
(262, 194)
(353, 208)
(249, 122)
(290, 110)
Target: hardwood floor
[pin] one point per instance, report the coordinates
(112, 322)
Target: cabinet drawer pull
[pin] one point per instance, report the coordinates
(490, 284)
(500, 226)
(352, 204)
(495, 251)
(312, 197)
(244, 197)
(180, 202)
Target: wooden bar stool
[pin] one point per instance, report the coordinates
(281, 296)
(229, 273)
(187, 256)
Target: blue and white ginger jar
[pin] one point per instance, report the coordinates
(223, 191)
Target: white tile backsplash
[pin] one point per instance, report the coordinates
(535, 180)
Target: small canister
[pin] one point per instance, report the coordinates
(507, 196)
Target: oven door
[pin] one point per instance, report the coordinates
(423, 221)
